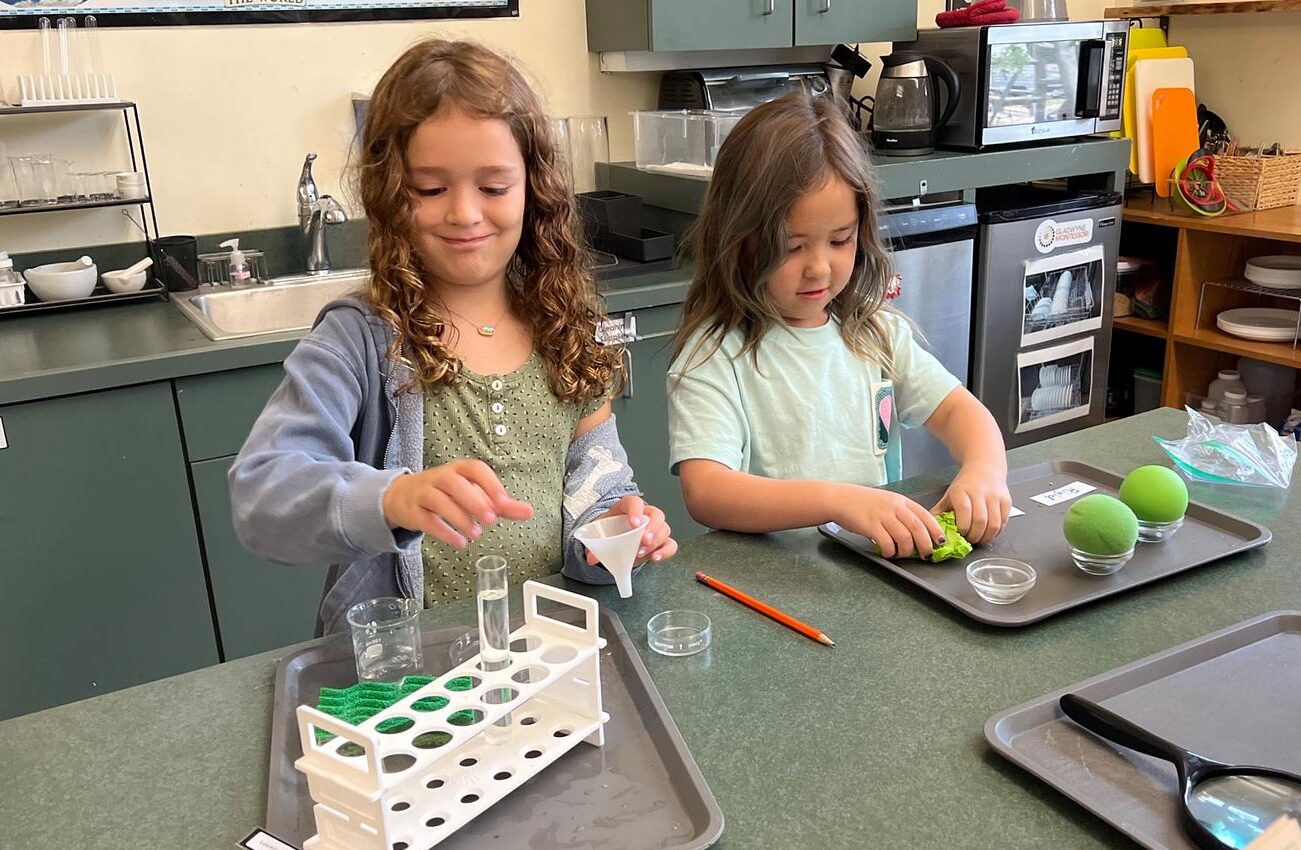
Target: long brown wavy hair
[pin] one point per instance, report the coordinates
(548, 285)
(777, 153)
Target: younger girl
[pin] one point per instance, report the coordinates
(790, 371)
(460, 406)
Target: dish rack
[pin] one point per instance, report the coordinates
(419, 770)
(1255, 288)
(215, 268)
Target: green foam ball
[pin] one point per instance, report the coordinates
(1101, 525)
(1155, 494)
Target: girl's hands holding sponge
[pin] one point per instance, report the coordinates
(980, 500)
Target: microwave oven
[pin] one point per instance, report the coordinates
(1028, 82)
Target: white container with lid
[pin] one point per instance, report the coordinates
(1229, 379)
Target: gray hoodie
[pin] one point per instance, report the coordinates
(308, 485)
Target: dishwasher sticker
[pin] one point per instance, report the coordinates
(260, 839)
(1063, 494)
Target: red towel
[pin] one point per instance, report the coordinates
(979, 14)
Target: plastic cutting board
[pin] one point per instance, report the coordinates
(1174, 133)
(1150, 75)
(1127, 107)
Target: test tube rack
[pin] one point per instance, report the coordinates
(441, 760)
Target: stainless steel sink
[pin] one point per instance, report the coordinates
(285, 304)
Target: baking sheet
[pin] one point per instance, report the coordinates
(642, 789)
(1233, 696)
(1036, 538)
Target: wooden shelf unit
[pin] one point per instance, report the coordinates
(1212, 249)
(1208, 7)
(1158, 328)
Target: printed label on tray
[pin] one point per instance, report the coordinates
(1063, 494)
(260, 839)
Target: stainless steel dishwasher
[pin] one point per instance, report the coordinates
(933, 250)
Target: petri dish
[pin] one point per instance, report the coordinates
(678, 633)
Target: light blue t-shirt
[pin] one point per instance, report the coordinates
(811, 410)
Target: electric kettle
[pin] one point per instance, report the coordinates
(906, 116)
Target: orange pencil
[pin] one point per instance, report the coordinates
(767, 610)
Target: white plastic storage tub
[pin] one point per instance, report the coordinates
(680, 141)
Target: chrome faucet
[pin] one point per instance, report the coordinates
(315, 212)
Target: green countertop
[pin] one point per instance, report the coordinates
(76, 351)
(875, 743)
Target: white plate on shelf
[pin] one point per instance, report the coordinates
(1281, 271)
(1264, 324)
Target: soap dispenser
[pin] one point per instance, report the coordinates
(238, 266)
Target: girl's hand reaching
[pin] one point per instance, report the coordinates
(979, 500)
(897, 524)
(451, 502)
(656, 544)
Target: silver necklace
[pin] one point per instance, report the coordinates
(489, 329)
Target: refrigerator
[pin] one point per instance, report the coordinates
(1045, 275)
(933, 251)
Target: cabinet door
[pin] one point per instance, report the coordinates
(100, 560)
(218, 410)
(259, 605)
(720, 24)
(643, 411)
(850, 21)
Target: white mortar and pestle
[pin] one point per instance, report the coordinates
(128, 280)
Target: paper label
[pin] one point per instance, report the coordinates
(617, 330)
(260, 839)
(1015, 512)
(1063, 494)
(4, 442)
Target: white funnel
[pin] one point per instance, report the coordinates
(615, 541)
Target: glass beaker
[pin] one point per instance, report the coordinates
(35, 178)
(589, 143)
(560, 139)
(8, 186)
(386, 639)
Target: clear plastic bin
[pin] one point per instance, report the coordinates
(680, 141)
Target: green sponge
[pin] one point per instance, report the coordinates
(1101, 525)
(1155, 494)
(358, 703)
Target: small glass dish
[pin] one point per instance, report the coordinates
(1100, 565)
(1157, 532)
(678, 633)
(1000, 581)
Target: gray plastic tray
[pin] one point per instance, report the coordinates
(1036, 538)
(641, 789)
(1232, 695)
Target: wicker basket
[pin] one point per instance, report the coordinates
(1260, 182)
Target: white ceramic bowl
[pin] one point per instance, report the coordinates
(123, 282)
(61, 281)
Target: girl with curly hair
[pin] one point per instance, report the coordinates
(460, 406)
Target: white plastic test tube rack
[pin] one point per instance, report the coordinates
(405, 791)
(66, 89)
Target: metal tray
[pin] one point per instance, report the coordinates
(642, 789)
(100, 295)
(1036, 538)
(1245, 685)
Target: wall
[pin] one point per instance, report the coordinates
(229, 112)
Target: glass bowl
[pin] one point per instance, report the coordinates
(1100, 565)
(1157, 532)
(678, 633)
(1000, 581)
